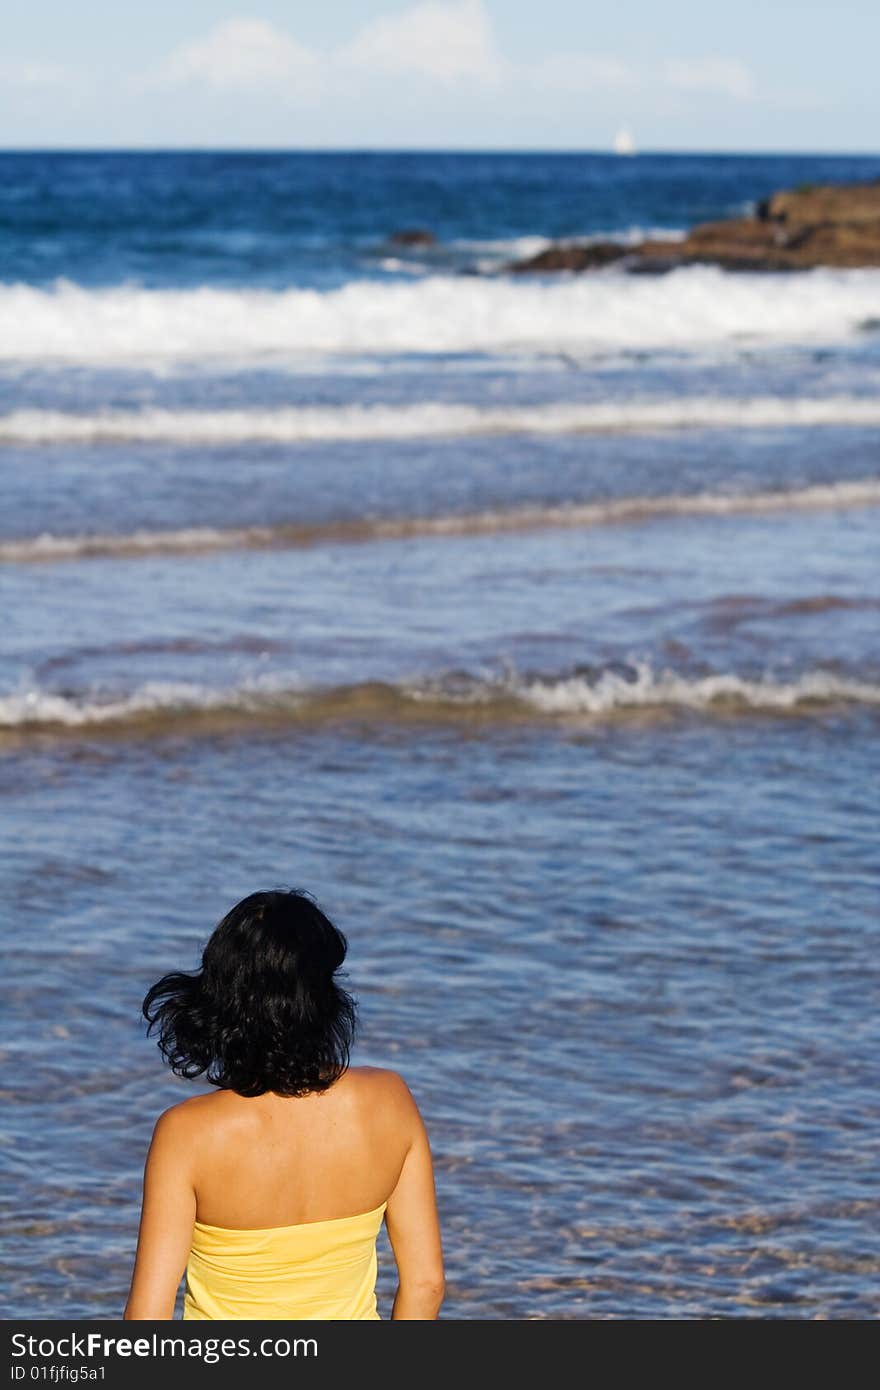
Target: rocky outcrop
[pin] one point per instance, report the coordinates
(412, 236)
(834, 225)
(813, 205)
(577, 256)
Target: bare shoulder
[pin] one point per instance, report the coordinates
(381, 1086)
(177, 1126)
(378, 1079)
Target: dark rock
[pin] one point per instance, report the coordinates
(779, 243)
(833, 225)
(830, 225)
(586, 256)
(739, 244)
(412, 236)
(835, 204)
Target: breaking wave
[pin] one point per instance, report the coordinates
(691, 307)
(300, 424)
(613, 511)
(600, 694)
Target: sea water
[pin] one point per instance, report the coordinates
(532, 623)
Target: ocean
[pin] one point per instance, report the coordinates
(531, 623)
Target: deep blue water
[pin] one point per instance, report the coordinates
(533, 624)
(276, 219)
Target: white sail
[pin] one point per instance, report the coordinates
(624, 142)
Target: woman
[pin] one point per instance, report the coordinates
(271, 1190)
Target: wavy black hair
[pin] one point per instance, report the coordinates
(265, 1012)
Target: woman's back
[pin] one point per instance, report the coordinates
(290, 1196)
(273, 1160)
(270, 1191)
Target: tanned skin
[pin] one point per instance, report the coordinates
(250, 1162)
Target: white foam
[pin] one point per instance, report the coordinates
(691, 307)
(37, 707)
(612, 691)
(615, 511)
(605, 694)
(428, 419)
(499, 252)
(516, 248)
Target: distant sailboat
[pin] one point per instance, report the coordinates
(623, 142)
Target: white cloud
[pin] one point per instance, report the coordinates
(443, 43)
(725, 75)
(442, 39)
(240, 54)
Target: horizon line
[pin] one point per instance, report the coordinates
(593, 151)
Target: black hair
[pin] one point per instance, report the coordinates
(265, 1011)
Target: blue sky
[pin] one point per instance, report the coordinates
(681, 74)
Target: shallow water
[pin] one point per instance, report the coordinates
(533, 627)
(626, 974)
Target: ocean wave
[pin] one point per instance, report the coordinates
(643, 689)
(600, 694)
(494, 254)
(691, 307)
(518, 247)
(193, 540)
(437, 419)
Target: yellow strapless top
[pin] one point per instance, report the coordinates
(319, 1269)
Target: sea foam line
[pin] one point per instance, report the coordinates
(604, 694)
(302, 424)
(690, 307)
(195, 540)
